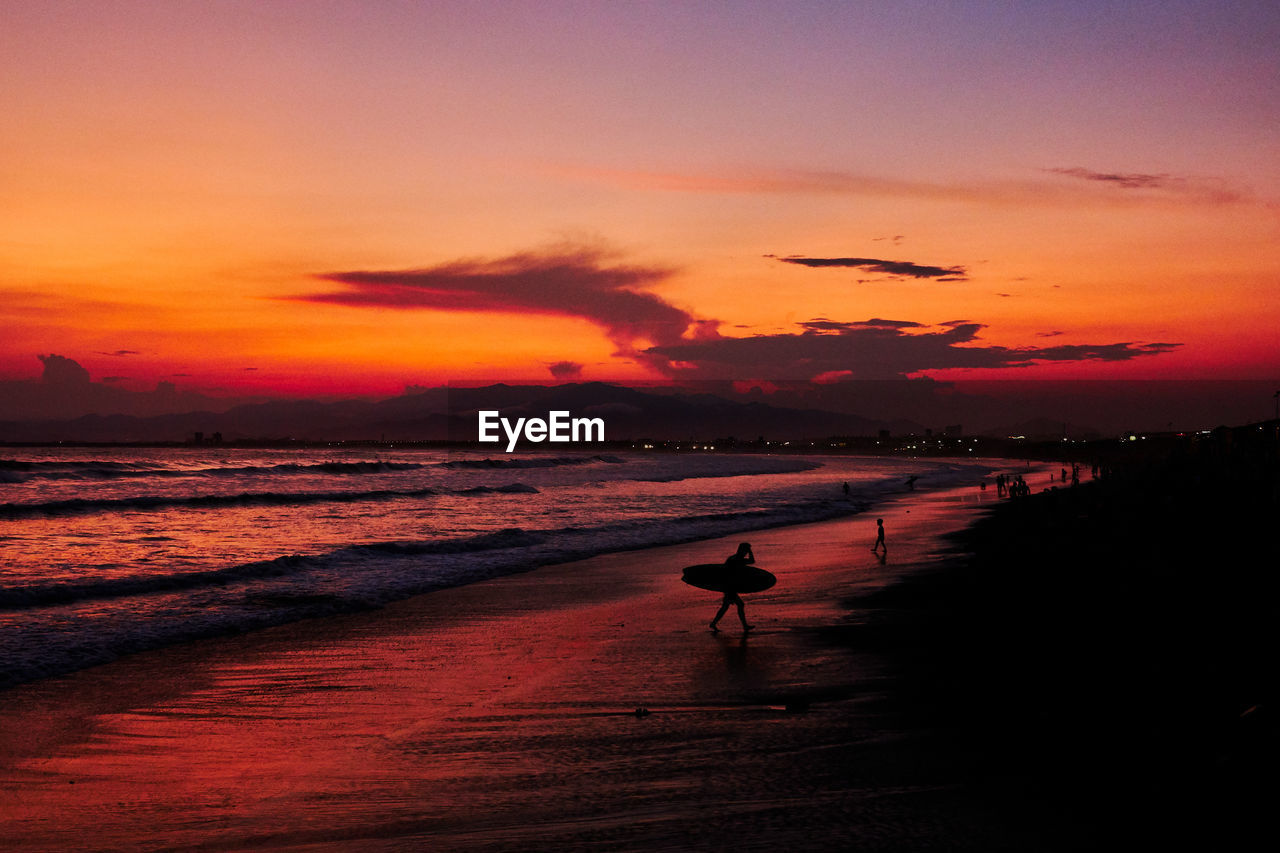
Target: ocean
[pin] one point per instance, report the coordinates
(106, 552)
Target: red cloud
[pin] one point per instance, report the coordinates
(574, 282)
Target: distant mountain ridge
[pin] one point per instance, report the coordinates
(446, 413)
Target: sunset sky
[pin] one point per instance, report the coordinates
(330, 197)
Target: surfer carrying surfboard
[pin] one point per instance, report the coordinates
(739, 560)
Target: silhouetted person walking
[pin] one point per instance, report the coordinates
(880, 537)
(741, 559)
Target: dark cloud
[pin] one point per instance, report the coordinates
(1052, 334)
(1125, 180)
(121, 352)
(898, 268)
(566, 370)
(1093, 352)
(62, 371)
(822, 324)
(569, 282)
(871, 350)
(1200, 189)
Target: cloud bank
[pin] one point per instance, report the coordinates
(871, 349)
(60, 371)
(566, 282)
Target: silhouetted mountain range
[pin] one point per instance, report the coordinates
(64, 405)
(451, 414)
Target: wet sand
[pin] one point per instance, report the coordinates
(503, 716)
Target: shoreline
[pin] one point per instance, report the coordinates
(480, 691)
(489, 553)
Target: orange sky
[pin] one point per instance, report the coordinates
(187, 190)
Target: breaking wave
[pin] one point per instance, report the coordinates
(82, 506)
(19, 471)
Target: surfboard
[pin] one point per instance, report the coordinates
(718, 577)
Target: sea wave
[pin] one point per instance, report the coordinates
(383, 565)
(66, 592)
(533, 462)
(85, 506)
(40, 464)
(792, 468)
(21, 471)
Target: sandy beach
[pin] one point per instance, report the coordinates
(504, 715)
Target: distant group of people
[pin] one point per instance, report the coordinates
(1011, 485)
(1014, 486)
(1075, 474)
